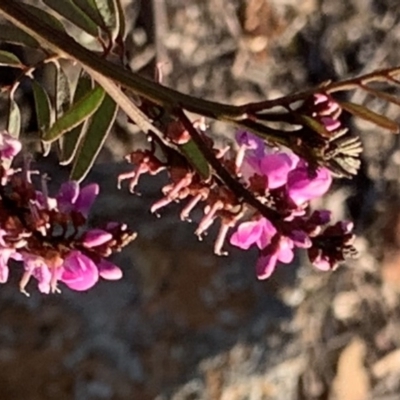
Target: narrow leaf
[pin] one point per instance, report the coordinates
(10, 60)
(71, 139)
(78, 113)
(369, 115)
(45, 17)
(94, 139)
(381, 95)
(42, 107)
(89, 7)
(62, 91)
(120, 30)
(14, 119)
(196, 158)
(14, 35)
(73, 14)
(109, 15)
(314, 125)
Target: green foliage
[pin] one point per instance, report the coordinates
(99, 126)
(71, 139)
(74, 14)
(76, 114)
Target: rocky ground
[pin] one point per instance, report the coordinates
(184, 324)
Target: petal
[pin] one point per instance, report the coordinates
(9, 146)
(300, 239)
(96, 237)
(330, 124)
(265, 266)
(247, 234)
(284, 252)
(109, 271)
(43, 275)
(302, 186)
(252, 142)
(86, 198)
(322, 264)
(67, 195)
(4, 270)
(277, 167)
(79, 271)
(268, 232)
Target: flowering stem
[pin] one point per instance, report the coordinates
(232, 183)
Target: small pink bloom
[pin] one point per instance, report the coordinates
(86, 198)
(72, 197)
(259, 232)
(96, 237)
(79, 272)
(303, 186)
(109, 271)
(268, 258)
(276, 167)
(9, 146)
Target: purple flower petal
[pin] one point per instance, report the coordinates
(9, 146)
(322, 263)
(86, 198)
(257, 232)
(300, 239)
(79, 272)
(252, 142)
(247, 234)
(330, 124)
(277, 167)
(284, 252)
(265, 266)
(67, 196)
(109, 271)
(303, 187)
(96, 237)
(43, 275)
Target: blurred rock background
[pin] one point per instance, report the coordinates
(184, 324)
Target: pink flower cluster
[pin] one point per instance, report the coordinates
(288, 184)
(49, 235)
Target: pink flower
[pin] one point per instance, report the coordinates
(9, 146)
(72, 197)
(281, 251)
(303, 186)
(259, 232)
(79, 272)
(276, 167)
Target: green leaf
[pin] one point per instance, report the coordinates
(62, 91)
(381, 95)
(120, 30)
(108, 13)
(94, 139)
(14, 119)
(14, 35)
(73, 14)
(10, 60)
(78, 113)
(71, 139)
(369, 115)
(314, 125)
(42, 107)
(89, 7)
(45, 17)
(196, 158)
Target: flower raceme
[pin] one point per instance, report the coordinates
(279, 180)
(48, 235)
(289, 184)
